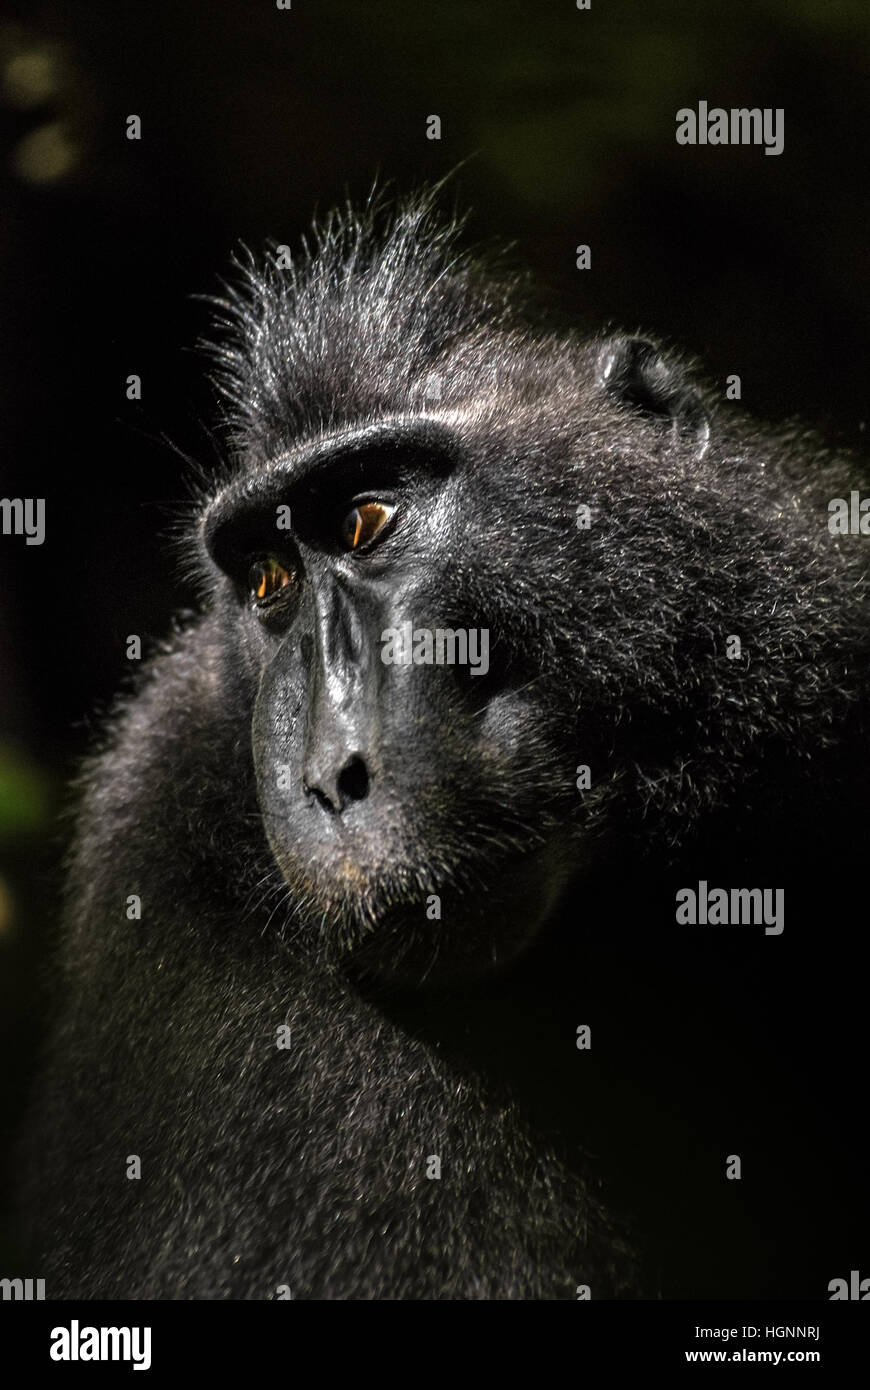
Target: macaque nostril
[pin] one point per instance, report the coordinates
(353, 781)
(320, 797)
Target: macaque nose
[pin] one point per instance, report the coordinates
(336, 790)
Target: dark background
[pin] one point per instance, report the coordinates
(254, 118)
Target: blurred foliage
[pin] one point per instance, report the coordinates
(24, 800)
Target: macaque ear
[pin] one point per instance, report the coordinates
(634, 371)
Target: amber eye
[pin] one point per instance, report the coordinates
(363, 523)
(266, 577)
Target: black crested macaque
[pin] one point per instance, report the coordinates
(454, 559)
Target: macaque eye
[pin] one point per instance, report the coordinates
(266, 577)
(363, 523)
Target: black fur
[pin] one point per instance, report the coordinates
(385, 352)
